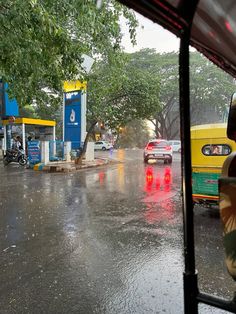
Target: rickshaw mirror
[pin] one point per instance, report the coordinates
(231, 126)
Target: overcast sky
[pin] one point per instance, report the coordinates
(150, 35)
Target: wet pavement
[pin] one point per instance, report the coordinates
(105, 240)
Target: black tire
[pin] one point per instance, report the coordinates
(22, 161)
(145, 160)
(5, 161)
(170, 160)
(165, 161)
(103, 148)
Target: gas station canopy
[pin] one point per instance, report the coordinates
(30, 121)
(45, 124)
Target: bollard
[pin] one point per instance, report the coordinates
(45, 152)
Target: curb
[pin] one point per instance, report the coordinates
(39, 166)
(68, 167)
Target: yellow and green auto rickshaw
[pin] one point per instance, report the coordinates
(210, 148)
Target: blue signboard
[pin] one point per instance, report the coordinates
(72, 118)
(8, 106)
(34, 152)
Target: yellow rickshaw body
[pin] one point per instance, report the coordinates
(206, 168)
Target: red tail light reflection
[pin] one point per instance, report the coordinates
(149, 178)
(101, 177)
(167, 179)
(228, 26)
(159, 181)
(168, 147)
(158, 190)
(167, 176)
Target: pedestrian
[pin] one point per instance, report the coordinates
(19, 144)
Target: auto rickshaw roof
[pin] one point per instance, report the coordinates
(213, 31)
(209, 131)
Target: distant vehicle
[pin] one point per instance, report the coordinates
(102, 145)
(159, 150)
(176, 145)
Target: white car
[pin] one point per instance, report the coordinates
(158, 149)
(102, 145)
(176, 145)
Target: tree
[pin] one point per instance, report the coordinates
(135, 134)
(210, 90)
(42, 42)
(119, 94)
(166, 67)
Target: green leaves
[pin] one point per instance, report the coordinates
(120, 92)
(42, 42)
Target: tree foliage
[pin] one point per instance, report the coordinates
(135, 134)
(210, 90)
(42, 42)
(121, 93)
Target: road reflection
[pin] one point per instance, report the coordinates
(158, 179)
(158, 189)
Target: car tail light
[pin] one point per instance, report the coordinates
(149, 147)
(168, 147)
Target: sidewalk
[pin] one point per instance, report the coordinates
(63, 166)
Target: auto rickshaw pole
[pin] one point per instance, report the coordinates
(190, 274)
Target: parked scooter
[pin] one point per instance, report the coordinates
(13, 155)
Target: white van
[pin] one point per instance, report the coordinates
(176, 145)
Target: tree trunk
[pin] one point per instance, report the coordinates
(78, 160)
(117, 140)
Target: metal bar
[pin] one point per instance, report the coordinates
(5, 138)
(217, 302)
(23, 136)
(190, 274)
(63, 117)
(54, 133)
(83, 114)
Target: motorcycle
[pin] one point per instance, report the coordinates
(15, 156)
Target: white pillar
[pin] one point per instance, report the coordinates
(23, 136)
(54, 141)
(54, 133)
(83, 114)
(67, 151)
(45, 151)
(89, 156)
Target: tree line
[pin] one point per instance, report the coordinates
(42, 44)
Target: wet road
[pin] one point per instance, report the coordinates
(105, 240)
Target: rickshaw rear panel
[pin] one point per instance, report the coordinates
(207, 164)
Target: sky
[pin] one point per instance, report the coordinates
(150, 35)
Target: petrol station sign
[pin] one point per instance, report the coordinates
(74, 124)
(72, 118)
